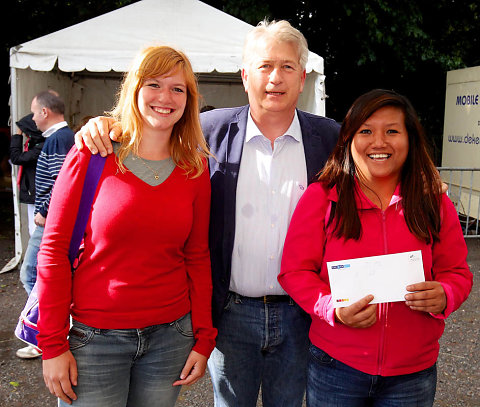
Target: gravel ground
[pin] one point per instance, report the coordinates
(21, 383)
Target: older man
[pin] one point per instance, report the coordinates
(266, 153)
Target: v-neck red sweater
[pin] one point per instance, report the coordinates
(146, 259)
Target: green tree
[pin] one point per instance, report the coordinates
(40, 17)
(34, 18)
(405, 45)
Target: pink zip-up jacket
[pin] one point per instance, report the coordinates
(402, 341)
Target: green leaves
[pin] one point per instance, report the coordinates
(406, 45)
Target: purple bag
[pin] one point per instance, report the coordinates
(26, 329)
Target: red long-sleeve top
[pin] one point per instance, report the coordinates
(146, 259)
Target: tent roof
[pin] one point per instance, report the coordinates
(212, 39)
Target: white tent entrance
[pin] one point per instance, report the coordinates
(85, 63)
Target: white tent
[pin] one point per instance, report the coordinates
(84, 62)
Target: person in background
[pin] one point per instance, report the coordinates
(140, 298)
(25, 155)
(264, 156)
(378, 194)
(48, 110)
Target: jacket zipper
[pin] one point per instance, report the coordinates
(383, 314)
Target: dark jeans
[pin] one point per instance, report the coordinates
(260, 344)
(333, 384)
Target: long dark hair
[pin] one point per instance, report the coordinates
(420, 181)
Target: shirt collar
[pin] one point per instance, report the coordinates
(54, 128)
(293, 131)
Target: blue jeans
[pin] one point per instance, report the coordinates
(28, 271)
(129, 367)
(263, 345)
(334, 384)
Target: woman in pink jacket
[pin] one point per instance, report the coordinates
(378, 194)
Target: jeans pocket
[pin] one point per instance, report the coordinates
(319, 356)
(80, 336)
(184, 325)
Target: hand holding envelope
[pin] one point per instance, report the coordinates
(385, 277)
(429, 296)
(358, 284)
(360, 314)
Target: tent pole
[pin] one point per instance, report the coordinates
(16, 206)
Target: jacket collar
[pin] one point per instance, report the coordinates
(361, 199)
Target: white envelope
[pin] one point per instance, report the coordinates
(385, 277)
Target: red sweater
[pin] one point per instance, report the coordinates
(402, 341)
(146, 258)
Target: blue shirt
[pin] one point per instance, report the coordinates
(54, 151)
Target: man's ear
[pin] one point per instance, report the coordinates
(245, 79)
(304, 75)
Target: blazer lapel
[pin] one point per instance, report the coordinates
(235, 139)
(309, 146)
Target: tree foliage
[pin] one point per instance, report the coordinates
(34, 18)
(405, 45)
(40, 17)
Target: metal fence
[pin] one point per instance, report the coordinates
(464, 191)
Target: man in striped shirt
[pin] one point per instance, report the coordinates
(48, 111)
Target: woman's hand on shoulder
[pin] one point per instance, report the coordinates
(358, 315)
(59, 374)
(428, 296)
(193, 370)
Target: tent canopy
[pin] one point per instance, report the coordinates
(213, 40)
(85, 62)
(103, 47)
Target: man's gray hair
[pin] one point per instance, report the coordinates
(280, 30)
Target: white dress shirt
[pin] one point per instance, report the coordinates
(54, 128)
(270, 183)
